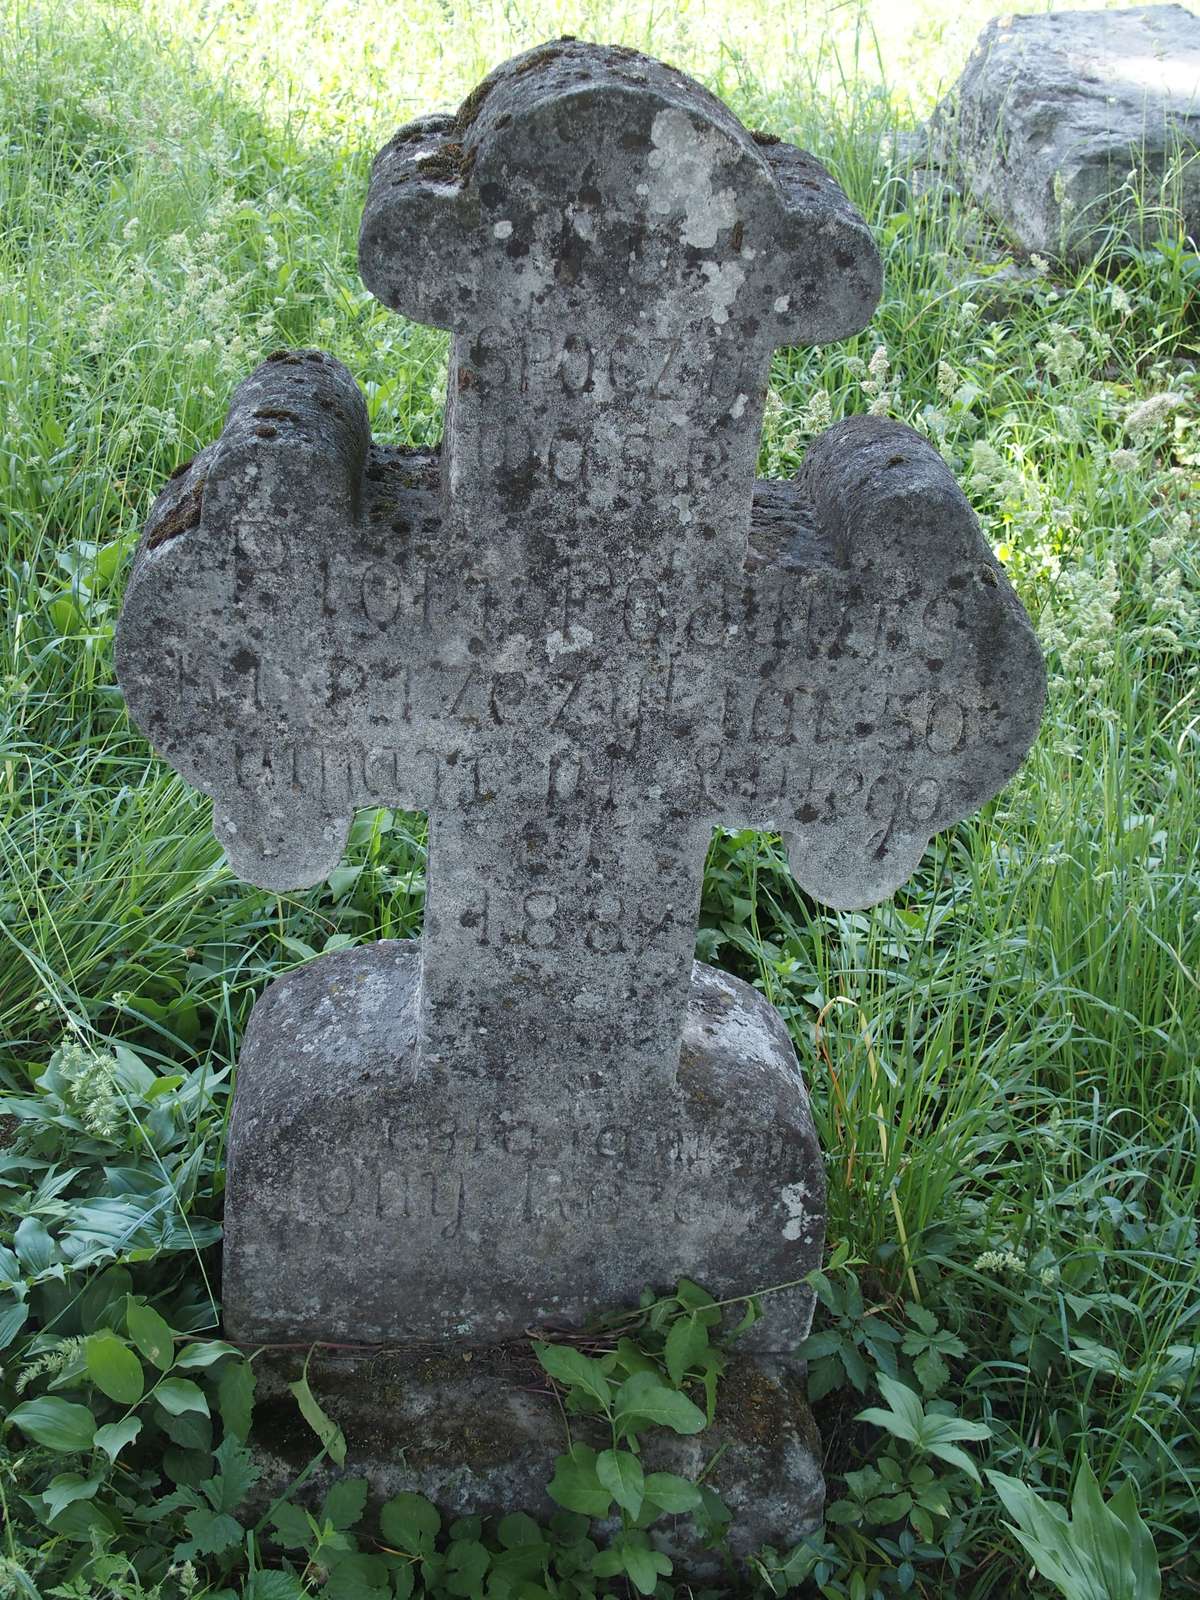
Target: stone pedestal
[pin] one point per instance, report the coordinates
(374, 1198)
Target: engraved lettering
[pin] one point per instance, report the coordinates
(538, 931)
(946, 728)
(382, 594)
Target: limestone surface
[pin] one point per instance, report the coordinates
(1054, 112)
(580, 636)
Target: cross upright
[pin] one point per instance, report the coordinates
(580, 637)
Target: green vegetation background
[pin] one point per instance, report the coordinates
(1000, 1060)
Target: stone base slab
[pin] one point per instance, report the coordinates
(477, 1432)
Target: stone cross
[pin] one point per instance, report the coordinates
(579, 636)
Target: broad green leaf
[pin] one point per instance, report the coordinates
(204, 1354)
(645, 1398)
(1043, 1518)
(162, 1086)
(357, 1576)
(575, 1485)
(1042, 1529)
(671, 1493)
(190, 1430)
(518, 1529)
(686, 1344)
(855, 1366)
(274, 1586)
(83, 1521)
(12, 1319)
(466, 1562)
(932, 1372)
(190, 1468)
(826, 1342)
(66, 1488)
(236, 1475)
(575, 1370)
(114, 1436)
(568, 1527)
(902, 1401)
(132, 1072)
(293, 1526)
(942, 1428)
(923, 1522)
(330, 1435)
(956, 1458)
(178, 1395)
(923, 1319)
(34, 1246)
(213, 1532)
(102, 1303)
(433, 1570)
(235, 1397)
(844, 1513)
(524, 1563)
(342, 879)
(114, 1369)
(151, 1333)
(345, 1502)
(632, 1358)
(620, 1472)
(645, 1566)
(633, 1555)
(56, 1423)
(1143, 1558)
(410, 1523)
(1100, 1534)
(692, 1297)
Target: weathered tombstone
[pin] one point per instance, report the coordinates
(580, 636)
(1053, 112)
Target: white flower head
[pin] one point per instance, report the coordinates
(1151, 413)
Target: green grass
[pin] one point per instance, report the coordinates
(180, 190)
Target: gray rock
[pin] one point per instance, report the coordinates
(1053, 112)
(580, 636)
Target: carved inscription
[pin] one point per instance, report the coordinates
(598, 924)
(693, 365)
(441, 1178)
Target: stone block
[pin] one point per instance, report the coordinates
(1054, 112)
(477, 1432)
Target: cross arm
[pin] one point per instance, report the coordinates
(417, 238)
(887, 682)
(828, 271)
(456, 223)
(219, 645)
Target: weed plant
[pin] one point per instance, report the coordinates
(1000, 1058)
